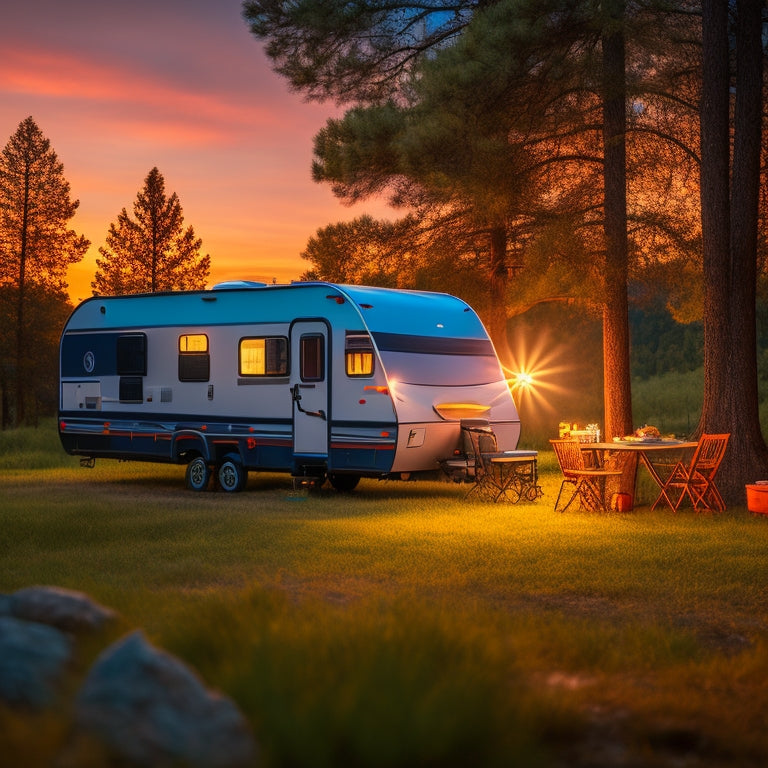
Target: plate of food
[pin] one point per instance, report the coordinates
(646, 434)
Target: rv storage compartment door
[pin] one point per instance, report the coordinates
(81, 395)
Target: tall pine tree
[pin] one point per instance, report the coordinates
(513, 116)
(152, 251)
(36, 247)
(731, 131)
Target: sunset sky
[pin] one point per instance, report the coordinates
(120, 87)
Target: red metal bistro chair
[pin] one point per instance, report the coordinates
(588, 484)
(696, 479)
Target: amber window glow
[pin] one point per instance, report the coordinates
(193, 342)
(194, 360)
(358, 354)
(264, 356)
(359, 364)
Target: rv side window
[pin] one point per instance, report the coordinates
(266, 356)
(132, 354)
(358, 354)
(131, 389)
(312, 358)
(194, 358)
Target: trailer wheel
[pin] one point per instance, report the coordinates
(343, 483)
(198, 474)
(231, 475)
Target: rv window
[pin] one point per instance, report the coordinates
(358, 354)
(264, 356)
(132, 355)
(194, 360)
(131, 389)
(312, 358)
(193, 342)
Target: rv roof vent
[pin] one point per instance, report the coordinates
(231, 285)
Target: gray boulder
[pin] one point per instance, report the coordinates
(149, 709)
(62, 608)
(33, 660)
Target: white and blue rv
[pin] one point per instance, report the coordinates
(315, 379)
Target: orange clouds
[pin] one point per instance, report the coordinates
(120, 88)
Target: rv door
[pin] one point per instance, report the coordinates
(309, 388)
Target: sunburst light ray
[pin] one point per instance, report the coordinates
(535, 372)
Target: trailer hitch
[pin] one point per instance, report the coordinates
(297, 399)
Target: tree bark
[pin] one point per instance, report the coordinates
(5, 416)
(747, 458)
(616, 369)
(715, 215)
(497, 322)
(21, 353)
(729, 203)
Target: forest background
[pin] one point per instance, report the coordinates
(497, 127)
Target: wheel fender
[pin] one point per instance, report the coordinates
(189, 440)
(231, 456)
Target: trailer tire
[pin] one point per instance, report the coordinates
(230, 475)
(343, 483)
(198, 474)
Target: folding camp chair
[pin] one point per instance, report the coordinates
(588, 484)
(495, 475)
(696, 479)
(467, 463)
(480, 445)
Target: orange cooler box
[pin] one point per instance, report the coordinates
(757, 498)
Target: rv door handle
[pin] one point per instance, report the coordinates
(296, 395)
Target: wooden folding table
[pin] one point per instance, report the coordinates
(654, 454)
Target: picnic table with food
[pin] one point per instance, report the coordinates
(664, 457)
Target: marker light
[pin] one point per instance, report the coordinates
(461, 410)
(373, 388)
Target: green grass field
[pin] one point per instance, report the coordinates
(402, 625)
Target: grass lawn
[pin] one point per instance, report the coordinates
(401, 625)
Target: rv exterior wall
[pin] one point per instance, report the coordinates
(165, 377)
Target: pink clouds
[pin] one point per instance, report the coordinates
(145, 101)
(178, 84)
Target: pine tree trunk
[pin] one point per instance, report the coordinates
(21, 355)
(5, 420)
(497, 324)
(747, 458)
(729, 229)
(616, 371)
(715, 217)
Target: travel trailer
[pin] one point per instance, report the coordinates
(322, 381)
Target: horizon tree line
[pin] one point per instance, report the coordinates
(148, 252)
